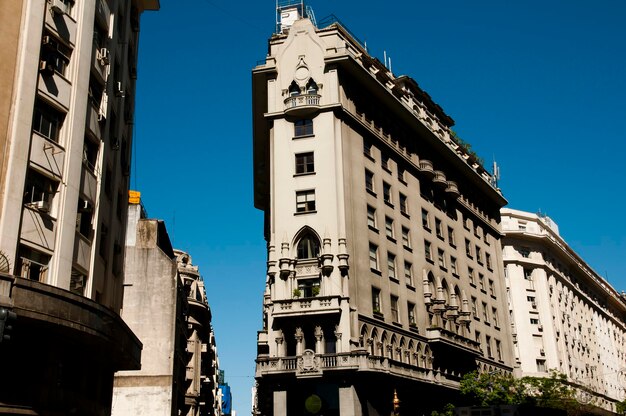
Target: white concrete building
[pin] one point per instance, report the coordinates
(384, 258)
(67, 87)
(564, 316)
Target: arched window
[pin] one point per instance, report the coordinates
(308, 247)
(294, 89)
(311, 87)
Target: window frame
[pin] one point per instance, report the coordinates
(305, 163)
(303, 128)
(310, 205)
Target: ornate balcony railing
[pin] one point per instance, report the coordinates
(302, 104)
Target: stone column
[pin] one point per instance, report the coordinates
(319, 340)
(299, 341)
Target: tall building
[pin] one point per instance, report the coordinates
(384, 268)
(565, 316)
(67, 77)
(165, 304)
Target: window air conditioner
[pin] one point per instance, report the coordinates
(57, 7)
(49, 43)
(43, 206)
(46, 67)
(103, 55)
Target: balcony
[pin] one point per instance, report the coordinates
(56, 88)
(63, 24)
(99, 63)
(47, 154)
(442, 336)
(452, 189)
(426, 166)
(93, 120)
(89, 184)
(38, 227)
(357, 361)
(82, 251)
(310, 306)
(440, 178)
(302, 105)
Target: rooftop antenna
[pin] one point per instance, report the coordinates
(496, 174)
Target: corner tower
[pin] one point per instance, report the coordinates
(384, 265)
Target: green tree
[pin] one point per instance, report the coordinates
(488, 389)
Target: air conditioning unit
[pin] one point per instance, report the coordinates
(104, 56)
(46, 67)
(534, 305)
(57, 7)
(49, 43)
(542, 352)
(43, 206)
(540, 328)
(119, 90)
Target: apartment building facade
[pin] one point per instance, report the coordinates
(564, 316)
(66, 109)
(384, 268)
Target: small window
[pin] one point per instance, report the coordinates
(541, 366)
(47, 121)
(389, 227)
(305, 163)
(404, 209)
(441, 258)
(474, 311)
(369, 181)
(488, 345)
(524, 252)
(498, 350)
(488, 261)
(395, 316)
(453, 267)
(408, 273)
(373, 256)
(384, 160)
(492, 290)
(481, 281)
(406, 239)
(427, 250)
(303, 128)
(468, 248)
(305, 201)
(387, 193)
(367, 148)
(477, 337)
(371, 217)
(528, 273)
(376, 307)
(32, 264)
(494, 316)
(534, 321)
(401, 174)
(451, 238)
(425, 220)
(391, 265)
(470, 274)
(308, 247)
(411, 313)
(438, 228)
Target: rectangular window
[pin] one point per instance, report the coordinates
(384, 160)
(498, 350)
(481, 281)
(373, 256)
(474, 310)
(371, 217)
(453, 268)
(408, 273)
(468, 248)
(541, 366)
(367, 148)
(389, 227)
(391, 265)
(401, 175)
(488, 261)
(441, 258)
(467, 223)
(376, 307)
(47, 121)
(528, 273)
(39, 191)
(411, 313)
(479, 255)
(438, 228)
(369, 181)
(492, 289)
(32, 264)
(404, 209)
(305, 201)
(488, 345)
(534, 321)
(425, 220)
(387, 192)
(477, 337)
(485, 312)
(427, 250)
(395, 316)
(451, 239)
(494, 316)
(524, 252)
(305, 163)
(406, 239)
(470, 274)
(303, 128)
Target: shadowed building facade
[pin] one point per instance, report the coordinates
(384, 264)
(67, 80)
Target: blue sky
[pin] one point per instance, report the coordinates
(538, 85)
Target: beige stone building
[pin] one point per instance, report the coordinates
(564, 316)
(67, 79)
(166, 307)
(384, 264)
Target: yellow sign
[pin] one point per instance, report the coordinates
(134, 197)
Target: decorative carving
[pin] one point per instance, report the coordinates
(308, 364)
